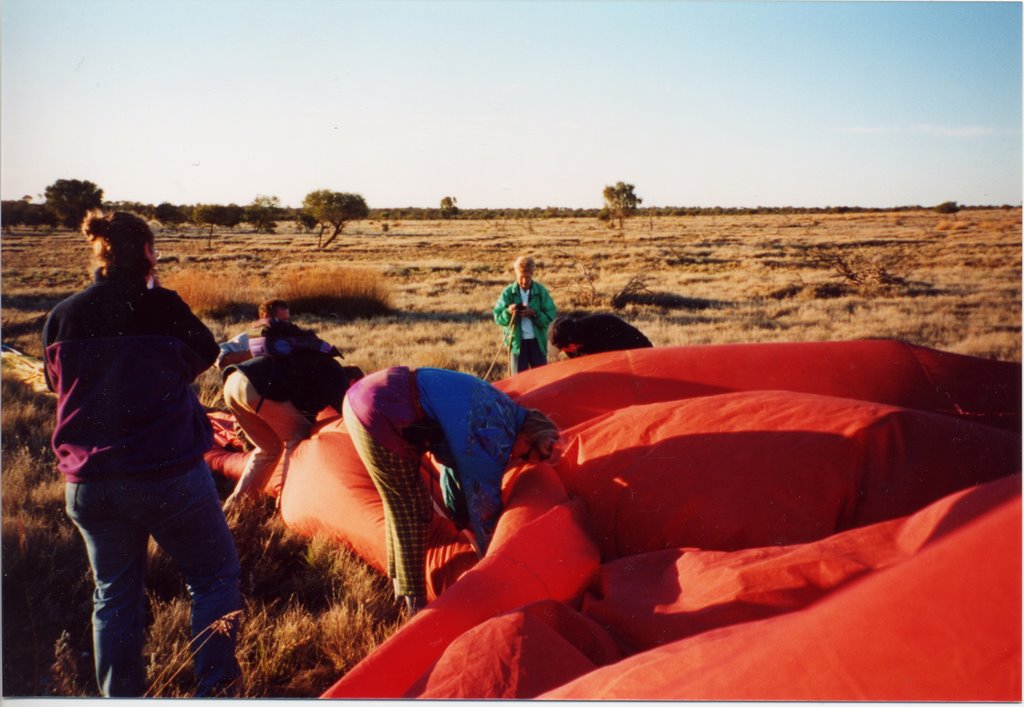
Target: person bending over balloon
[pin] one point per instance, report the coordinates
(276, 395)
(395, 415)
(581, 335)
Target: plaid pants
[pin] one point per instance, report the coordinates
(407, 508)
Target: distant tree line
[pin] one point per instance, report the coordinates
(67, 201)
(412, 213)
(25, 213)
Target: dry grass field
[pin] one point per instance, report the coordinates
(951, 282)
(948, 281)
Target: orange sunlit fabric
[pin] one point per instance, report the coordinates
(714, 509)
(943, 625)
(768, 467)
(539, 552)
(878, 370)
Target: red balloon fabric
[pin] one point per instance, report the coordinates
(539, 552)
(758, 468)
(226, 456)
(943, 625)
(879, 370)
(519, 655)
(820, 521)
(659, 597)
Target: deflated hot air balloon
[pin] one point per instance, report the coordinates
(820, 521)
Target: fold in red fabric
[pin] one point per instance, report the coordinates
(539, 552)
(519, 655)
(660, 597)
(880, 370)
(942, 625)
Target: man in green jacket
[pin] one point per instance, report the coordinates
(524, 310)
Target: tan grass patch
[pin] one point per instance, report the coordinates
(231, 293)
(333, 291)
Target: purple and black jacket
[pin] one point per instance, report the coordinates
(121, 359)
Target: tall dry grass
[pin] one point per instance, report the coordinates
(46, 584)
(312, 608)
(333, 291)
(951, 282)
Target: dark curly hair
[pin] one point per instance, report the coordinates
(119, 241)
(267, 309)
(562, 331)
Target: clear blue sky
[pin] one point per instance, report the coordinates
(515, 104)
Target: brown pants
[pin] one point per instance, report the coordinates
(270, 425)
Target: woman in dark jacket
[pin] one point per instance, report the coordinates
(129, 438)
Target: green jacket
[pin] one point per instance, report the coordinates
(541, 303)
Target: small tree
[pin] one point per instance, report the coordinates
(12, 213)
(169, 214)
(448, 207)
(620, 201)
(70, 199)
(205, 215)
(230, 216)
(263, 213)
(948, 207)
(332, 208)
(306, 222)
(24, 213)
(39, 215)
(210, 215)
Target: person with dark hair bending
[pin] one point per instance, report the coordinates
(395, 415)
(129, 438)
(288, 377)
(580, 335)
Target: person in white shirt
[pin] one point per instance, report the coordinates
(525, 310)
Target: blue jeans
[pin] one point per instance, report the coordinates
(184, 516)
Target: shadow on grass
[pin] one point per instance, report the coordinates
(35, 302)
(668, 300)
(445, 317)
